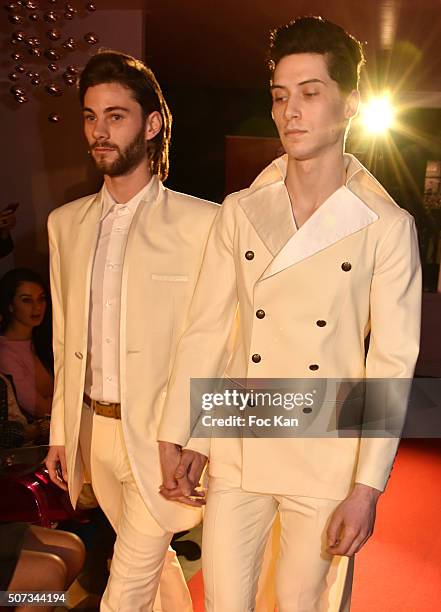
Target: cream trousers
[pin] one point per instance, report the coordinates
(142, 557)
(237, 524)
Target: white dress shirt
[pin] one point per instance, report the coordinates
(102, 369)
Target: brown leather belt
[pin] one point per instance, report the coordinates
(112, 410)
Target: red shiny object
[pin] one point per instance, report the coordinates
(35, 499)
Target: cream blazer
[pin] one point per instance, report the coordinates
(164, 251)
(351, 269)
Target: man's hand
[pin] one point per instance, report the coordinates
(353, 521)
(170, 458)
(56, 465)
(189, 471)
(181, 473)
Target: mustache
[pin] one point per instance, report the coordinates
(106, 144)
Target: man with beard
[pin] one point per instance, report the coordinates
(123, 267)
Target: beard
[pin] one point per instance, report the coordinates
(128, 158)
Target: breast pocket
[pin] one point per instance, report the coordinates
(172, 293)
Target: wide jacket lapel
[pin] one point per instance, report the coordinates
(268, 209)
(341, 215)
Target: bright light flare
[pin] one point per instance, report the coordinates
(377, 115)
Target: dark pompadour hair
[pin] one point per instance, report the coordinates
(113, 67)
(343, 52)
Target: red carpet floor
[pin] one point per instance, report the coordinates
(399, 570)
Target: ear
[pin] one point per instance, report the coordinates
(153, 125)
(351, 104)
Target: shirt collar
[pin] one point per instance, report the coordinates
(108, 201)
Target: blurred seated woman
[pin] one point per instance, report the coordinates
(25, 340)
(34, 558)
(14, 427)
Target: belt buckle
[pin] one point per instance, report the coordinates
(108, 409)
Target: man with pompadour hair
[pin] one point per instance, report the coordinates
(314, 256)
(124, 264)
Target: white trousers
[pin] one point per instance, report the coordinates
(236, 528)
(142, 558)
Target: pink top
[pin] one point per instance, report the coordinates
(31, 379)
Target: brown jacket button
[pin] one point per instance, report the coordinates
(313, 366)
(321, 323)
(256, 358)
(260, 314)
(249, 255)
(346, 266)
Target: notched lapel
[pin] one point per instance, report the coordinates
(268, 209)
(341, 215)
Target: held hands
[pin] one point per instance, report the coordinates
(353, 521)
(181, 470)
(56, 465)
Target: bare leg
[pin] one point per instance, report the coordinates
(38, 571)
(67, 546)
